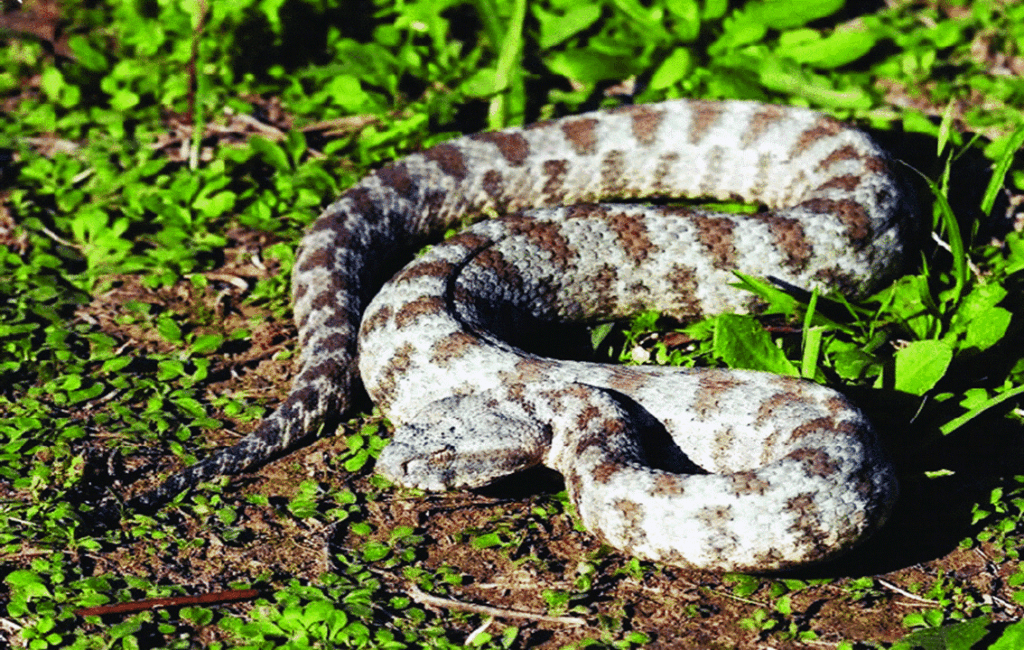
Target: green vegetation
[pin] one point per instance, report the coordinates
(157, 168)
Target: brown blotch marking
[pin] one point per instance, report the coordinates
(748, 483)
(435, 199)
(838, 404)
(581, 135)
(807, 524)
(666, 163)
(683, 280)
(493, 183)
(545, 236)
(846, 182)
(715, 234)
(713, 175)
(613, 176)
(604, 472)
(845, 152)
(420, 306)
(817, 461)
(469, 240)
(632, 512)
(667, 485)
(554, 172)
(377, 319)
(766, 412)
(705, 115)
(449, 158)
(878, 165)
(770, 558)
(709, 389)
(601, 295)
(438, 269)
(864, 479)
(713, 516)
(645, 123)
(587, 416)
(529, 370)
(813, 426)
(322, 258)
(505, 273)
(325, 300)
(632, 235)
(762, 120)
(397, 365)
(513, 146)
(586, 211)
(850, 213)
(452, 347)
(723, 448)
(825, 127)
(763, 177)
(396, 176)
(838, 279)
(625, 380)
(790, 238)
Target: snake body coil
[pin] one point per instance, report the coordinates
(702, 468)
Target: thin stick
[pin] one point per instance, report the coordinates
(904, 592)
(447, 603)
(230, 596)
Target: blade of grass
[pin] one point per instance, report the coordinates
(811, 339)
(947, 221)
(999, 172)
(506, 67)
(958, 422)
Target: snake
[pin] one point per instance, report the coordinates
(580, 220)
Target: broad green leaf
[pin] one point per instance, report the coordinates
(556, 27)
(271, 153)
(673, 69)
(589, 66)
(786, 14)
(839, 48)
(741, 342)
(958, 636)
(687, 14)
(347, 92)
(920, 365)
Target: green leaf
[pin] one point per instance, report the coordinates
(841, 47)
(588, 66)
(206, 343)
(558, 27)
(920, 365)
(958, 636)
(741, 342)
(271, 153)
(673, 69)
(786, 14)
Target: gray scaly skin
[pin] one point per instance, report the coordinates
(839, 217)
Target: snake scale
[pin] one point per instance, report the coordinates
(705, 468)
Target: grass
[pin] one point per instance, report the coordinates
(158, 166)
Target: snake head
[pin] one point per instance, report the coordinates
(465, 441)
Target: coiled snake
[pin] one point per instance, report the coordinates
(706, 468)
